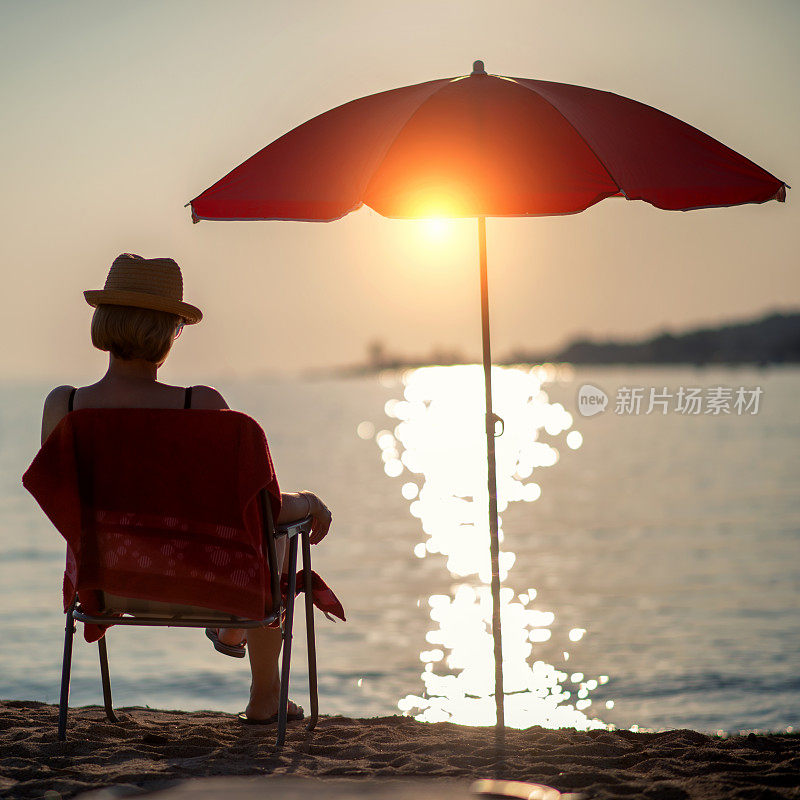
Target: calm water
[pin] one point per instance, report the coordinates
(652, 568)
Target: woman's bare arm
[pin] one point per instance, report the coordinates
(296, 505)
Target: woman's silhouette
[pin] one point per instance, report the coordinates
(138, 316)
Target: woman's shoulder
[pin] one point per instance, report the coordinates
(57, 402)
(207, 398)
(56, 407)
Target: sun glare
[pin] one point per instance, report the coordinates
(438, 229)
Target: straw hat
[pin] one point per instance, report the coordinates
(154, 283)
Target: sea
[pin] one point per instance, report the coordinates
(650, 524)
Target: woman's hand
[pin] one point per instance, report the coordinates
(298, 505)
(320, 515)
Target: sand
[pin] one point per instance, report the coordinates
(152, 750)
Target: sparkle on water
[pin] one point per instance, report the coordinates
(438, 446)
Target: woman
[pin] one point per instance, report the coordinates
(138, 315)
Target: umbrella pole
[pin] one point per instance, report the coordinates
(494, 541)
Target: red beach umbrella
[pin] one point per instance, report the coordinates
(485, 146)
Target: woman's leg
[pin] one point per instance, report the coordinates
(264, 649)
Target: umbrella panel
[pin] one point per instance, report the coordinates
(487, 147)
(655, 157)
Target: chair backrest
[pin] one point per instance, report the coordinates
(168, 505)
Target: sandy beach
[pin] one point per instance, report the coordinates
(153, 750)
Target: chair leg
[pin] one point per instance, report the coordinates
(283, 699)
(310, 638)
(66, 666)
(105, 678)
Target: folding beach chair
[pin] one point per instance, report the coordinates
(96, 526)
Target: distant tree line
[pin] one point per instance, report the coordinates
(773, 339)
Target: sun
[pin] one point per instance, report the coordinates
(437, 229)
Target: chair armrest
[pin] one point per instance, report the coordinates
(294, 528)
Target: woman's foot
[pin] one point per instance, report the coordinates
(260, 715)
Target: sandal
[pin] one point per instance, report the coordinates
(232, 650)
(292, 716)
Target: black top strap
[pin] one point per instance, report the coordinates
(71, 399)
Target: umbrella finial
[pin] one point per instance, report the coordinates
(478, 68)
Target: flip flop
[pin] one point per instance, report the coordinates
(232, 650)
(293, 715)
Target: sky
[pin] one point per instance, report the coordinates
(117, 114)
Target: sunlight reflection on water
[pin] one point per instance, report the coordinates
(438, 445)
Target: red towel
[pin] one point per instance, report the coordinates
(322, 594)
(160, 505)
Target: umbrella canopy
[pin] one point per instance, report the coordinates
(482, 146)
(479, 146)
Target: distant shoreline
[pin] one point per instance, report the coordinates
(773, 339)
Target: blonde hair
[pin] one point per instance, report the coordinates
(129, 332)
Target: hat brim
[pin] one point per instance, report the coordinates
(115, 297)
